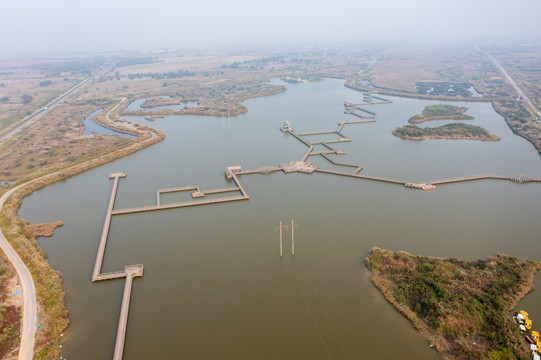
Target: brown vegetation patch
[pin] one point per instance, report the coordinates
(11, 301)
(55, 141)
(43, 229)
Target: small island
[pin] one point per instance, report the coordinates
(448, 131)
(440, 112)
(465, 309)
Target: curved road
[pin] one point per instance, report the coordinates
(29, 321)
(29, 318)
(28, 333)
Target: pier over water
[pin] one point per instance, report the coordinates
(236, 192)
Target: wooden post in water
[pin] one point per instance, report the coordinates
(280, 227)
(293, 226)
(280, 239)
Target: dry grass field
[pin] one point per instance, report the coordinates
(218, 81)
(523, 63)
(29, 84)
(403, 67)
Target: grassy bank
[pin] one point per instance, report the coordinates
(53, 314)
(9, 314)
(464, 308)
(520, 120)
(50, 295)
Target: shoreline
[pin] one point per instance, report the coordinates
(24, 242)
(33, 183)
(491, 100)
(438, 338)
(47, 280)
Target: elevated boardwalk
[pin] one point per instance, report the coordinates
(518, 179)
(111, 275)
(374, 178)
(299, 138)
(107, 224)
(360, 115)
(132, 271)
(356, 166)
(344, 139)
(342, 123)
(314, 133)
(160, 206)
(368, 100)
(129, 272)
(308, 153)
(261, 170)
(196, 193)
(177, 205)
(232, 172)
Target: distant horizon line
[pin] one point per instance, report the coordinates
(271, 46)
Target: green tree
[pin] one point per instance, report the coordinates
(27, 99)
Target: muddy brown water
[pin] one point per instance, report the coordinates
(214, 285)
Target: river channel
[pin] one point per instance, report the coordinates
(214, 286)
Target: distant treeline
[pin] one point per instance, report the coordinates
(167, 75)
(81, 66)
(135, 61)
(257, 63)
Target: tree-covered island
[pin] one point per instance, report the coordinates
(448, 131)
(441, 112)
(465, 309)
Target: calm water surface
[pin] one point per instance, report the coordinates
(214, 284)
(136, 105)
(93, 127)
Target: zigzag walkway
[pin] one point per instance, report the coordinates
(132, 271)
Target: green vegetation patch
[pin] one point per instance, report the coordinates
(520, 120)
(441, 112)
(448, 131)
(464, 308)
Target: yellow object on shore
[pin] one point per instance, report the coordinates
(524, 313)
(528, 324)
(535, 336)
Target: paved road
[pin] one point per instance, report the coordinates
(29, 318)
(29, 322)
(55, 102)
(512, 82)
(28, 333)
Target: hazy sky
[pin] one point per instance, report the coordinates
(36, 26)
